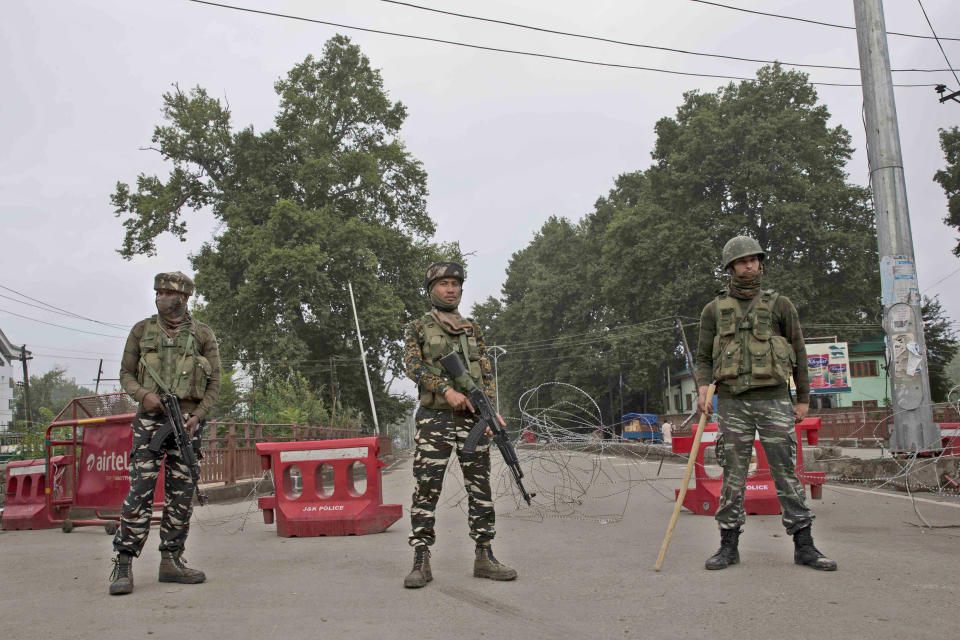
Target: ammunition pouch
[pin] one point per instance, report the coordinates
(747, 353)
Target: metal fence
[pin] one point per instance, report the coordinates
(229, 448)
(846, 422)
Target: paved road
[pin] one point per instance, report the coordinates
(578, 578)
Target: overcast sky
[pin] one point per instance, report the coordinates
(505, 139)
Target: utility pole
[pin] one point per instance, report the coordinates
(26, 384)
(913, 428)
(96, 390)
(496, 351)
(363, 358)
(686, 350)
(333, 392)
(620, 393)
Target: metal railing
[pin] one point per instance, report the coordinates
(229, 448)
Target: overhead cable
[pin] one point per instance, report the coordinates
(939, 44)
(49, 307)
(62, 326)
(641, 45)
(531, 54)
(809, 21)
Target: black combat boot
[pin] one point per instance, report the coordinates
(121, 580)
(173, 568)
(421, 573)
(486, 566)
(805, 553)
(728, 553)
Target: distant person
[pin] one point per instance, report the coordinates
(444, 420)
(169, 353)
(667, 432)
(751, 343)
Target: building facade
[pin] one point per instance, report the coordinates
(681, 395)
(869, 383)
(8, 355)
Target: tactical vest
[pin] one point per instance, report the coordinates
(171, 365)
(753, 356)
(437, 342)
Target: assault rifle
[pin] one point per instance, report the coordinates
(488, 418)
(188, 449)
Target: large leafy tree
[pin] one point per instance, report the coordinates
(942, 347)
(49, 394)
(758, 158)
(328, 196)
(949, 178)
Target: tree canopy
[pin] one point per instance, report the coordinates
(949, 178)
(942, 347)
(329, 195)
(757, 158)
(49, 394)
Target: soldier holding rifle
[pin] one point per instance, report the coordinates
(444, 421)
(171, 355)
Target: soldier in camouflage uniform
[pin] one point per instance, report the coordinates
(750, 344)
(166, 353)
(444, 419)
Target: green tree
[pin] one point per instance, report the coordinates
(289, 400)
(328, 196)
(949, 178)
(49, 394)
(545, 300)
(230, 406)
(759, 158)
(593, 303)
(942, 347)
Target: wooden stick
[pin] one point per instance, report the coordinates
(686, 478)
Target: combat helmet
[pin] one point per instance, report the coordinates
(443, 270)
(173, 281)
(740, 247)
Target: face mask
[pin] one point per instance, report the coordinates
(171, 307)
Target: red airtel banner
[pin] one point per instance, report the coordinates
(103, 476)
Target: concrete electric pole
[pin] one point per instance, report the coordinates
(495, 352)
(363, 358)
(24, 356)
(913, 426)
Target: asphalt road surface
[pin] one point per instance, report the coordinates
(585, 571)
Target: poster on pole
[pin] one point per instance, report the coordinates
(828, 364)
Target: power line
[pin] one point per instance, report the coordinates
(640, 45)
(949, 275)
(600, 338)
(939, 44)
(531, 54)
(56, 309)
(58, 356)
(586, 333)
(50, 310)
(809, 21)
(37, 346)
(61, 326)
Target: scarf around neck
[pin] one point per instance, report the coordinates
(452, 321)
(745, 288)
(174, 318)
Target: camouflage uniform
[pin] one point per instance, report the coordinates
(744, 408)
(138, 506)
(441, 430)
(188, 364)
